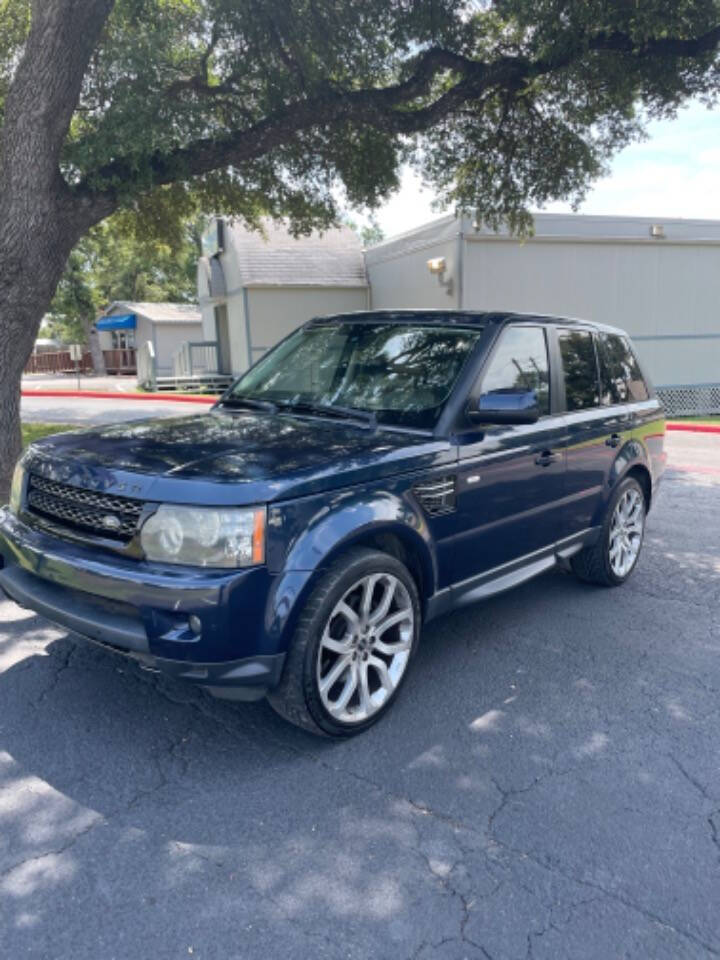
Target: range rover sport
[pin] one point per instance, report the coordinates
(371, 472)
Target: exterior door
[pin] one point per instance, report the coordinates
(595, 430)
(510, 479)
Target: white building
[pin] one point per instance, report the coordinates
(126, 326)
(657, 279)
(256, 288)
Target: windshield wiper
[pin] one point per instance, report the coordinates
(247, 402)
(330, 410)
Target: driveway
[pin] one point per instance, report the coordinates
(548, 785)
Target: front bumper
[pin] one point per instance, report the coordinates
(143, 610)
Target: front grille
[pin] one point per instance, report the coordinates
(437, 496)
(101, 514)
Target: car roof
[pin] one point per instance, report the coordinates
(460, 317)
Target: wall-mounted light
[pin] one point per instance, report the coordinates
(438, 266)
(657, 231)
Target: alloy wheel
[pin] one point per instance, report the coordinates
(365, 648)
(626, 532)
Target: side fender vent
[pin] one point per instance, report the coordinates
(437, 496)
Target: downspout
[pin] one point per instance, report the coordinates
(248, 334)
(460, 265)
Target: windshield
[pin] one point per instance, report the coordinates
(400, 373)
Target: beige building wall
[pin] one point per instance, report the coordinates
(399, 275)
(274, 312)
(667, 296)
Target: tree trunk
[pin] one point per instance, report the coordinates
(29, 273)
(40, 219)
(93, 340)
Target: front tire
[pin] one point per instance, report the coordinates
(614, 557)
(352, 646)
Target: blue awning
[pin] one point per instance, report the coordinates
(123, 321)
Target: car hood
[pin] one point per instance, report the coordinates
(239, 457)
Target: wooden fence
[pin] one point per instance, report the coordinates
(116, 361)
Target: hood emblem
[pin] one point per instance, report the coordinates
(111, 522)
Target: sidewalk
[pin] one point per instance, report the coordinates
(68, 381)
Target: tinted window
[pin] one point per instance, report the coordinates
(580, 368)
(620, 377)
(520, 365)
(400, 372)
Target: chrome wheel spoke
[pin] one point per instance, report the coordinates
(393, 620)
(347, 611)
(335, 672)
(390, 649)
(343, 646)
(383, 607)
(365, 699)
(367, 595)
(381, 669)
(349, 689)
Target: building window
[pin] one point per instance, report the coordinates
(123, 339)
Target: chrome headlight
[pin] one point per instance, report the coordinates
(205, 536)
(16, 489)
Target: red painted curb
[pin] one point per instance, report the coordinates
(694, 427)
(108, 395)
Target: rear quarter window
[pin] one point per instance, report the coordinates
(579, 369)
(621, 380)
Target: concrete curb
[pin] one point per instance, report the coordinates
(110, 395)
(694, 427)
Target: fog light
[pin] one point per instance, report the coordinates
(195, 623)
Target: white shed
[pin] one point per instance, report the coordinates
(658, 279)
(255, 288)
(126, 326)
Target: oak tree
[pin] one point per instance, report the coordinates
(262, 107)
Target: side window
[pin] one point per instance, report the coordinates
(620, 376)
(580, 369)
(520, 365)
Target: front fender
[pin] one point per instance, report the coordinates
(315, 531)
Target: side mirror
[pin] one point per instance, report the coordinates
(506, 406)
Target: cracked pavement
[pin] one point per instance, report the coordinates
(547, 786)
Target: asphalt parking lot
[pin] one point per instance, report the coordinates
(548, 785)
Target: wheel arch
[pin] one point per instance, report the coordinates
(397, 531)
(632, 461)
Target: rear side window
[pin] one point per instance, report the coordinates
(620, 378)
(520, 365)
(580, 369)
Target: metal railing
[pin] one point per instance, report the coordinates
(147, 365)
(196, 359)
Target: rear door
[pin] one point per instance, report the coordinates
(596, 428)
(510, 479)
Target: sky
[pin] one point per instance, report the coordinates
(674, 173)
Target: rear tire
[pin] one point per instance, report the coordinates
(614, 557)
(352, 646)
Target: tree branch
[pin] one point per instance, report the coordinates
(390, 109)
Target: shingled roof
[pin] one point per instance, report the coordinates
(159, 312)
(274, 257)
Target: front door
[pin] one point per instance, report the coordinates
(510, 479)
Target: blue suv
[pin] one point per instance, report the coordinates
(372, 471)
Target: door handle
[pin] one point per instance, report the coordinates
(614, 440)
(545, 458)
